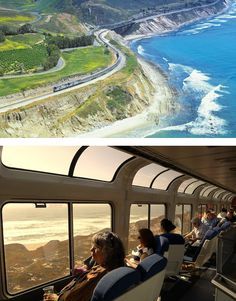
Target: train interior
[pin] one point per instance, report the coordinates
(55, 198)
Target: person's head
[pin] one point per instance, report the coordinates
(224, 210)
(146, 238)
(196, 222)
(167, 226)
(108, 250)
(209, 214)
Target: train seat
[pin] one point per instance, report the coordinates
(162, 245)
(207, 248)
(152, 270)
(175, 253)
(225, 226)
(117, 285)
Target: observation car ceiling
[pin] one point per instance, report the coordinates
(185, 184)
(95, 162)
(216, 165)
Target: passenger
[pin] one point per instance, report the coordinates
(210, 219)
(108, 252)
(222, 213)
(195, 236)
(146, 247)
(231, 216)
(167, 228)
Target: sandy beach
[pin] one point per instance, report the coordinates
(142, 124)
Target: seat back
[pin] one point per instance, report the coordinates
(162, 245)
(207, 249)
(152, 270)
(225, 226)
(175, 259)
(175, 253)
(117, 285)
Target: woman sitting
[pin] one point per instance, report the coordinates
(167, 229)
(108, 252)
(146, 247)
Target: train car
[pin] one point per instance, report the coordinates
(55, 198)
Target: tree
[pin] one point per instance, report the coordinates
(26, 28)
(2, 37)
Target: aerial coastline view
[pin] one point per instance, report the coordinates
(86, 69)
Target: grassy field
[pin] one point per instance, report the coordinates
(79, 61)
(29, 39)
(18, 4)
(13, 18)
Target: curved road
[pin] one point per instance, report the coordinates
(100, 75)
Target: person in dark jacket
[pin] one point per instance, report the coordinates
(108, 252)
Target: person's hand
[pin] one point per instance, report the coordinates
(50, 297)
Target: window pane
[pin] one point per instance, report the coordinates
(158, 212)
(99, 163)
(187, 218)
(163, 181)
(35, 243)
(88, 219)
(39, 158)
(193, 186)
(146, 174)
(138, 220)
(178, 218)
(206, 190)
(185, 184)
(217, 193)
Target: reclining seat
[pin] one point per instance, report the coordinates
(206, 249)
(175, 253)
(152, 270)
(118, 285)
(162, 245)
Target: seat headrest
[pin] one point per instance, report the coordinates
(174, 238)
(210, 234)
(151, 265)
(115, 283)
(225, 225)
(162, 244)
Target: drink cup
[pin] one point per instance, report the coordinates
(47, 291)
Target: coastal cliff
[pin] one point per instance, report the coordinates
(125, 94)
(172, 21)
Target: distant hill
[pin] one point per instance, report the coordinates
(99, 12)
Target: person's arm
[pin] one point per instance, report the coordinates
(189, 235)
(131, 263)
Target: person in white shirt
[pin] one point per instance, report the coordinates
(195, 236)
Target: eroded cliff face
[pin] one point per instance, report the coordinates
(125, 94)
(170, 22)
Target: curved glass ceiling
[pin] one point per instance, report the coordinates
(185, 184)
(191, 188)
(50, 159)
(163, 180)
(99, 163)
(146, 174)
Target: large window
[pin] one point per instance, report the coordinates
(88, 219)
(144, 216)
(183, 216)
(35, 244)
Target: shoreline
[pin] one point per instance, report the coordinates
(149, 118)
(143, 124)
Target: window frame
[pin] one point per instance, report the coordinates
(71, 261)
(182, 214)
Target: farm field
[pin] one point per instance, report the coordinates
(14, 18)
(22, 53)
(79, 61)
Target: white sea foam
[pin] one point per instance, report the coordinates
(140, 50)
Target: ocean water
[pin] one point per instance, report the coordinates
(27, 225)
(200, 61)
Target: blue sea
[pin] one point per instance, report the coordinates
(200, 61)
